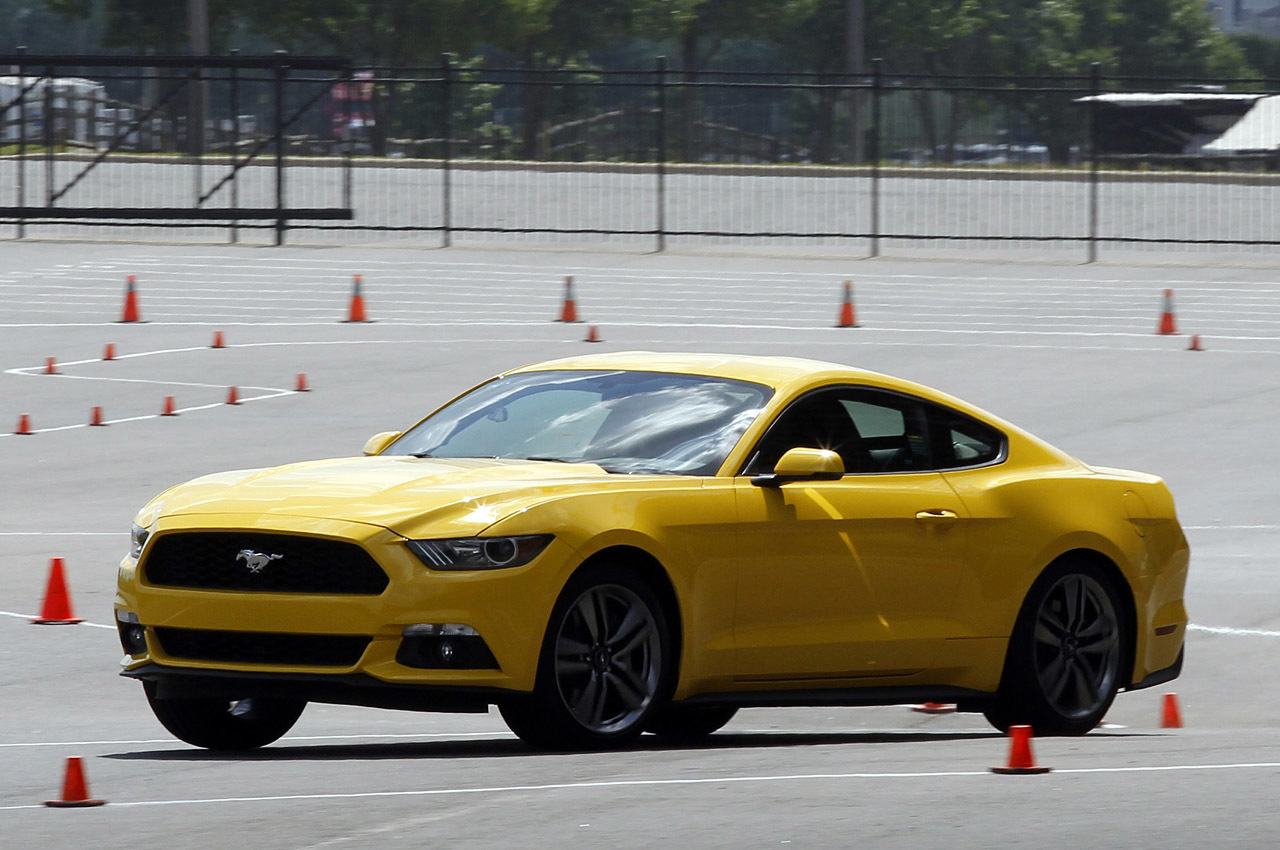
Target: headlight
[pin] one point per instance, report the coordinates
(137, 539)
(479, 553)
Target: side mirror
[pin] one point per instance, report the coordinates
(378, 442)
(801, 464)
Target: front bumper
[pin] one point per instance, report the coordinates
(341, 689)
(508, 608)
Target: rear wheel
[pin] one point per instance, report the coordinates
(677, 722)
(219, 724)
(605, 665)
(1063, 667)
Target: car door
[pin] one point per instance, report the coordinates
(854, 577)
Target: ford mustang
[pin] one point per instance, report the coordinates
(606, 545)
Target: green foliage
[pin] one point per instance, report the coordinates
(1169, 41)
(1261, 53)
(1153, 38)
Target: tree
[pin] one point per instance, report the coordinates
(1261, 53)
(553, 36)
(143, 26)
(36, 26)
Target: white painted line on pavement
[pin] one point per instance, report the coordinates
(1228, 630)
(36, 616)
(652, 783)
(62, 533)
(179, 745)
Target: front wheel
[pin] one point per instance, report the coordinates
(1063, 667)
(687, 723)
(219, 724)
(605, 665)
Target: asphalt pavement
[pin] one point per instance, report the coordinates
(1065, 350)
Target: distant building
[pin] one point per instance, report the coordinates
(1251, 16)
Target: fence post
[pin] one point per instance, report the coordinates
(1095, 75)
(446, 148)
(235, 144)
(47, 119)
(22, 139)
(877, 82)
(280, 70)
(195, 128)
(660, 71)
(348, 147)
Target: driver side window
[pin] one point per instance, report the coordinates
(817, 421)
(871, 430)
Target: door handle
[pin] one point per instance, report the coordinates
(937, 516)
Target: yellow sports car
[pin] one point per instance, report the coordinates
(630, 542)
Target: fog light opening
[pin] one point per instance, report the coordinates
(133, 635)
(437, 646)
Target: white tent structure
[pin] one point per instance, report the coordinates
(1257, 132)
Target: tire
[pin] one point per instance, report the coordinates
(604, 668)
(1063, 667)
(219, 724)
(683, 723)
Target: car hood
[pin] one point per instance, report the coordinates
(404, 494)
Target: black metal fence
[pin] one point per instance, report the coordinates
(311, 149)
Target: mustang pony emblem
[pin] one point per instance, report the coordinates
(255, 561)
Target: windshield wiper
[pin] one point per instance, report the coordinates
(422, 454)
(548, 458)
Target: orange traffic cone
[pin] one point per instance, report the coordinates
(130, 301)
(302, 383)
(75, 790)
(593, 335)
(934, 708)
(569, 312)
(1170, 716)
(57, 602)
(110, 352)
(217, 340)
(168, 407)
(1195, 343)
(95, 417)
(1167, 323)
(50, 366)
(1020, 759)
(24, 425)
(356, 313)
(232, 396)
(848, 317)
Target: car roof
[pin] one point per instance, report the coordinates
(770, 371)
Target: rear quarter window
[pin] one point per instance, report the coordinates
(970, 442)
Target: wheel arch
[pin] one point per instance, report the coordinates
(651, 570)
(1128, 605)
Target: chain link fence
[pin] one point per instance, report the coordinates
(310, 149)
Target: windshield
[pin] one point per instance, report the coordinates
(623, 421)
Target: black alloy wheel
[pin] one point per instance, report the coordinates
(605, 665)
(1063, 668)
(220, 724)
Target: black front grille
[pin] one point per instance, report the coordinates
(254, 560)
(262, 647)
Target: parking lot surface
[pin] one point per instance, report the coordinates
(1067, 351)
